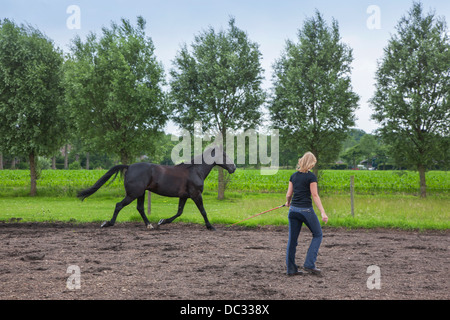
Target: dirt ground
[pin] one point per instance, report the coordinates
(186, 261)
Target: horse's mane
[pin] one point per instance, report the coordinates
(190, 164)
(193, 160)
(186, 165)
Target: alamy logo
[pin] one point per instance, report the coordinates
(74, 280)
(374, 20)
(374, 281)
(258, 147)
(74, 20)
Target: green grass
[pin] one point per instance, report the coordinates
(338, 181)
(400, 211)
(66, 182)
(383, 199)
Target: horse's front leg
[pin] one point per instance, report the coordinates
(199, 202)
(181, 204)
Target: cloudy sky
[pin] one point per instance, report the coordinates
(365, 25)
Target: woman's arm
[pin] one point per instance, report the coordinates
(316, 198)
(289, 194)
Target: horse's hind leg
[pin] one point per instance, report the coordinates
(181, 204)
(199, 202)
(140, 208)
(126, 201)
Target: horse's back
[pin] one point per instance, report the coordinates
(164, 180)
(138, 170)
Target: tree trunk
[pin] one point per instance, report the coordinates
(124, 158)
(32, 175)
(423, 184)
(316, 169)
(66, 157)
(87, 160)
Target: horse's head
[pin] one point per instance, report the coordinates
(216, 155)
(227, 163)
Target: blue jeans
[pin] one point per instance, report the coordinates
(298, 216)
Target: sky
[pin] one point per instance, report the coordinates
(365, 25)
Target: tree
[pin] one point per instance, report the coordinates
(411, 101)
(353, 138)
(31, 94)
(114, 92)
(368, 146)
(218, 83)
(381, 156)
(313, 103)
(353, 155)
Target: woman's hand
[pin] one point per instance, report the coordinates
(324, 217)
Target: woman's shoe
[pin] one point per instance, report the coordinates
(298, 273)
(313, 270)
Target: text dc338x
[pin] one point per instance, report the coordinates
(258, 309)
(226, 309)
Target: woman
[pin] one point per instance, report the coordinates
(303, 186)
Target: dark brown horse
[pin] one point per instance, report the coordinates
(183, 181)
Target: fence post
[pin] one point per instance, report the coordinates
(352, 193)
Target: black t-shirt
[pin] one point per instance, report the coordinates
(302, 191)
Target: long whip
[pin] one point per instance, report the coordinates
(258, 214)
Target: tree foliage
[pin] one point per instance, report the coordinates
(218, 83)
(411, 101)
(114, 90)
(313, 102)
(31, 94)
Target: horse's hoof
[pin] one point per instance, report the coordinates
(162, 221)
(106, 224)
(149, 226)
(211, 228)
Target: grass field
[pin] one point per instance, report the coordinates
(377, 203)
(405, 212)
(66, 182)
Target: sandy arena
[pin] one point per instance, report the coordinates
(186, 261)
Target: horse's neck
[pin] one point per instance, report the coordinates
(204, 170)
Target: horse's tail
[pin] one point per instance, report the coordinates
(82, 194)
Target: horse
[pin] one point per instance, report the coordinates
(185, 180)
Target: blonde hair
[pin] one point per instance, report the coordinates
(307, 162)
